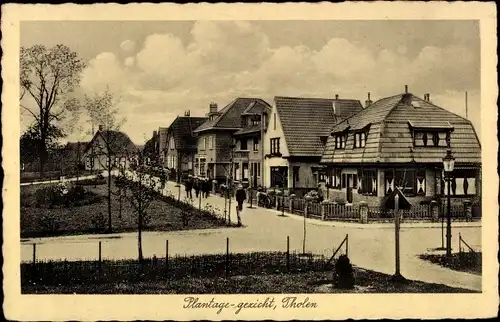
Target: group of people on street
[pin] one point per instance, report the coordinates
(200, 185)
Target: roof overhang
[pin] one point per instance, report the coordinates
(434, 125)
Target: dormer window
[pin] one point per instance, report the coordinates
(431, 138)
(340, 140)
(360, 139)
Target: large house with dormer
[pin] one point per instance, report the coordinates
(400, 141)
(296, 137)
(228, 143)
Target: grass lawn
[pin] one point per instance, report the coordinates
(464, 262)
(310, 282)
(253, 273)
(41, 222)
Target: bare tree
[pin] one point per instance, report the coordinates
(140, 191)
(107, 147)
(49, 76)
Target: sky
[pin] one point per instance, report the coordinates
(160, 69)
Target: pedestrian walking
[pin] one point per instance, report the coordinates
(189, 186)
(241, 196)
(320, 193)
(196, 186)
(203, 187)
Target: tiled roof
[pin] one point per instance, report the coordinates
(182, 130)
(306, 120)
(249, 130)
(390, 139)
(230, 116)
(117, 142)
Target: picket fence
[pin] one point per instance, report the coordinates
(331, 211)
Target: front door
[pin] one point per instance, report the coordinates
(254, 173)
(349, 187)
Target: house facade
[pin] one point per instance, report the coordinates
(400, 141)
(162, 145)
(221, 150)
(108, 145)
(296, 136)
(180, 148)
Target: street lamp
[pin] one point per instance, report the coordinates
(448, 165)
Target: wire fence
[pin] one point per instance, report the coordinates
(220, 265)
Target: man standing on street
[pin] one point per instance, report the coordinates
(241, 196)
(189, 187)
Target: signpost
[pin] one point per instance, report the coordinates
(397, 201)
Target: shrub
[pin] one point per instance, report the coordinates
(48, 223)
(344, 275)
(339, 201)
(98, 222)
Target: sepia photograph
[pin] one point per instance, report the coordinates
(281, 160)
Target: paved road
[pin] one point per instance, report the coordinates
(265, 230)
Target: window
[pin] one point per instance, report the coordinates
(210, 142)
(431, 138)
(256, 144)
(274, 121)
(275, 146)
(367, 182)
(245, 172)
(336, 178)
(463, 183)
(203, 143)
(359, 139)
(244, 144)
(258, 169)
(296, 171)
(410, 181)
(202, 167)
(340, 140)
(279, 176)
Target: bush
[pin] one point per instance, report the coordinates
(344, 275)
(48, 223)
(340, 201)
(98, 222)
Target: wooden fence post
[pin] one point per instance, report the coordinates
(100, 258)
(347, 245)
(166, 258)
(34, 254)
(287, 253)
(227, 256)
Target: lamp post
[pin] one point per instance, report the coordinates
(448, 164)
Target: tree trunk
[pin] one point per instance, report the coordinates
(139, 239)
(110, 226)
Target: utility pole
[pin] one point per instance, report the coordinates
(230, 187)
(466, 107)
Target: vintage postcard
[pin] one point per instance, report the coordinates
(248, 162)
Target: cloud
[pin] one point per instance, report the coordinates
(129, 61)
(127, 45)
(222, 60)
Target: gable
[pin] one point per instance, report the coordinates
(275, 132)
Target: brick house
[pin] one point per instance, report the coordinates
(105, 144)
(180, 148)
(296, 137)
(401, 141)
(216, 144)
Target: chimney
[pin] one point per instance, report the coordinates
(213, 108)
(336, 96)
(368, 102)
(101, 128)
(187, 113)
(406, 88)
(155, 134)
(428, 97)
